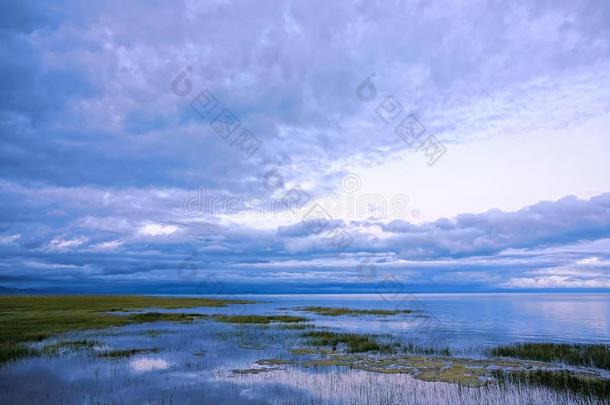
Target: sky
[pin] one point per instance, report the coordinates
(351, 146)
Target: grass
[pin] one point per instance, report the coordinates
(274, 362)
(254, 371)
(259, 319)
(356, 343)
(298, 326)
(562, 381)
(69, 345)
(302, 351)
(163, 316)
(429, 350)
(336, 311)
(575, 354)
(35, 318)
(123, 353)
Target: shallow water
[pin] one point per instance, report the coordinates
(194, 363)
(481, 319)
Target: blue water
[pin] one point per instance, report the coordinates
(195, 362)
(465, 320)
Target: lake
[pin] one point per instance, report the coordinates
(207, 361)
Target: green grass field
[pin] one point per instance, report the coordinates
(34, 318)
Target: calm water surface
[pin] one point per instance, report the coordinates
(466, 320)
(196, 362)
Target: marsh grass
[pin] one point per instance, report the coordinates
(356, 343)
(31, 319)
(428, 350)
(561, 381)
(337, 311)
(69, 345)
(259, 319)
(334, 386)
(124, 353)
(274, 362)
(164, 316)
(297, 326)
(575, 354)
(303, 351)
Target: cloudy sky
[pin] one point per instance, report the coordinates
(222, 146)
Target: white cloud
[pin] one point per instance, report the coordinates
(557, 282)
(65, 244)
(593, 261)
(9, 239)
(158, 229)
(107, 246)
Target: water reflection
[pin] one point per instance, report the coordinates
(148, 364)
(194, 363)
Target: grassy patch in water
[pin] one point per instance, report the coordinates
(337, 311)
(298, 326)
(69, 345)
(35, 318)
(163, 316)
(563, 381)
(465, 372)
(574, 354)
(429, 350)
(356, 343)
(251, 346)
(259, 319)
(254, 371)
(122, 353)
(456, 374)
(274, 362)
(303, 351)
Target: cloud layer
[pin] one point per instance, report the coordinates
(102, 149)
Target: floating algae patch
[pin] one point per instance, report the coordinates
(337, 311)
